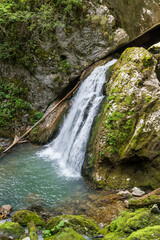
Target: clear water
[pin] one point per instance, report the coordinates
(24, 175)
(52, 174)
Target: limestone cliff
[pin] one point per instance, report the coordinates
(54, 59)
(125, 149)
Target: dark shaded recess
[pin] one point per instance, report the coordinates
(70, 86)
(146, 40)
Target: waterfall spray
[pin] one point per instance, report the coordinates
(69, 147)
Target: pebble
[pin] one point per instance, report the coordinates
(137, 192)
(5, 210)
(124, 193)
(155, 209)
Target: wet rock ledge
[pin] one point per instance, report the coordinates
(124, 147)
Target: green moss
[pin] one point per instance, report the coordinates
(32, 231)
(96, 19)
(80, 224)
(67, 234)
(130, 224)
(14, 106)
(26, 24)
(10, 229)
(115, 236)
(146, 234)
(23, 217)
(149, 201)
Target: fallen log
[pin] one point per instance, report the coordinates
(154, 192)
(145, 202)
(30, 129)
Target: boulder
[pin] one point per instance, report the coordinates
(67, 233)
(124, 193)
(5, 210)
(32, 231)
(146, 233)
(125, 149)
(10, 230)
(23, 217)
(137, 192)
(79, 223)
(132, 224)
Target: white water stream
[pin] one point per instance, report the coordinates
(68, 149)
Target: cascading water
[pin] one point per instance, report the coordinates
(69, 147)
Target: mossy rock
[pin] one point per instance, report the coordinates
(125, 150)
(67, 233)
(115, 236)
(32, 231)
(131, 222)
(23, 217)
(150, 200)
(80, 224)
(10, 229)
(146, 234)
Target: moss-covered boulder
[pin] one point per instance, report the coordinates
(125, 151)
(10, 230)
(67, 233)
(23, 217)
(147, 233)
(32, 231)
(80, 224)
(132, 223)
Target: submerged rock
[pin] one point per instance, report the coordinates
(125, 150)
(23, 217)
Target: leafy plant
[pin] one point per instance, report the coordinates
(48, 233)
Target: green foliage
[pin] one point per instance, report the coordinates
(80, 224)
(14, 105)
(24, 24)
(55, 229)
(64, 66)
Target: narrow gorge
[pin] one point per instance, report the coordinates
(94, 157)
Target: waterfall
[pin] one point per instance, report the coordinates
(68, 149)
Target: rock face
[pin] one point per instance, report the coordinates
(125, 152)
(102, 28)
